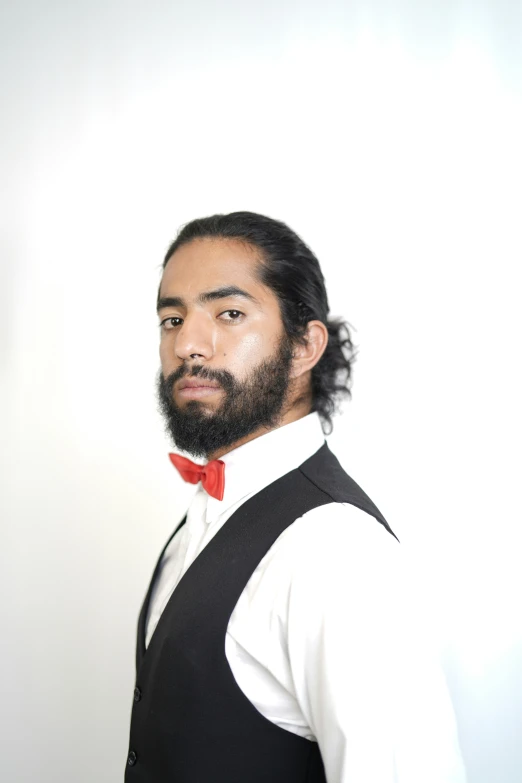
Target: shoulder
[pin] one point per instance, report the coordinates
(345, 577)
(338, 531)
(333, 550)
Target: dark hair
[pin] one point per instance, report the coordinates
(292, 271)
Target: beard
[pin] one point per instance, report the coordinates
(249, 404)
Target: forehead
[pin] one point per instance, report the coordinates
(211, 262)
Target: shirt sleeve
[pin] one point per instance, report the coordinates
(365, 673)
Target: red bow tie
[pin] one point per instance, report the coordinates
(212, 475)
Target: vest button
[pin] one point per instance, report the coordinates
(132, 759)
(137, 694)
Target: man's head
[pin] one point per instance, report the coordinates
(246, 344)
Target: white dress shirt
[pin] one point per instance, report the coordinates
(325, 640)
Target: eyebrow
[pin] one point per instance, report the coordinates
(225, 292)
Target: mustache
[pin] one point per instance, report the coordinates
(223, 377)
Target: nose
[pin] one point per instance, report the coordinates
(195, 338)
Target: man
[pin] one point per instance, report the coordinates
(276, 642)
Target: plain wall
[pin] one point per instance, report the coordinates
(389, 138)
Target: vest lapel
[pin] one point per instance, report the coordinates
(142, 621)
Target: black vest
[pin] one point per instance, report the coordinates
(191, 723)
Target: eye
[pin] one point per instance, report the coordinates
(234, 315)
(170, 323)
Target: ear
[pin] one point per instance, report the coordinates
(307, 355)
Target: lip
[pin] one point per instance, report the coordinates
(194, 389)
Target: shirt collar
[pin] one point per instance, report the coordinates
(256, 464)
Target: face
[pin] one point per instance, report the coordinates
(225, 359)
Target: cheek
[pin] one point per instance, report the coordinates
(246, 351)
(167, 357)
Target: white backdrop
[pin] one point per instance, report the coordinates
(390, 139)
